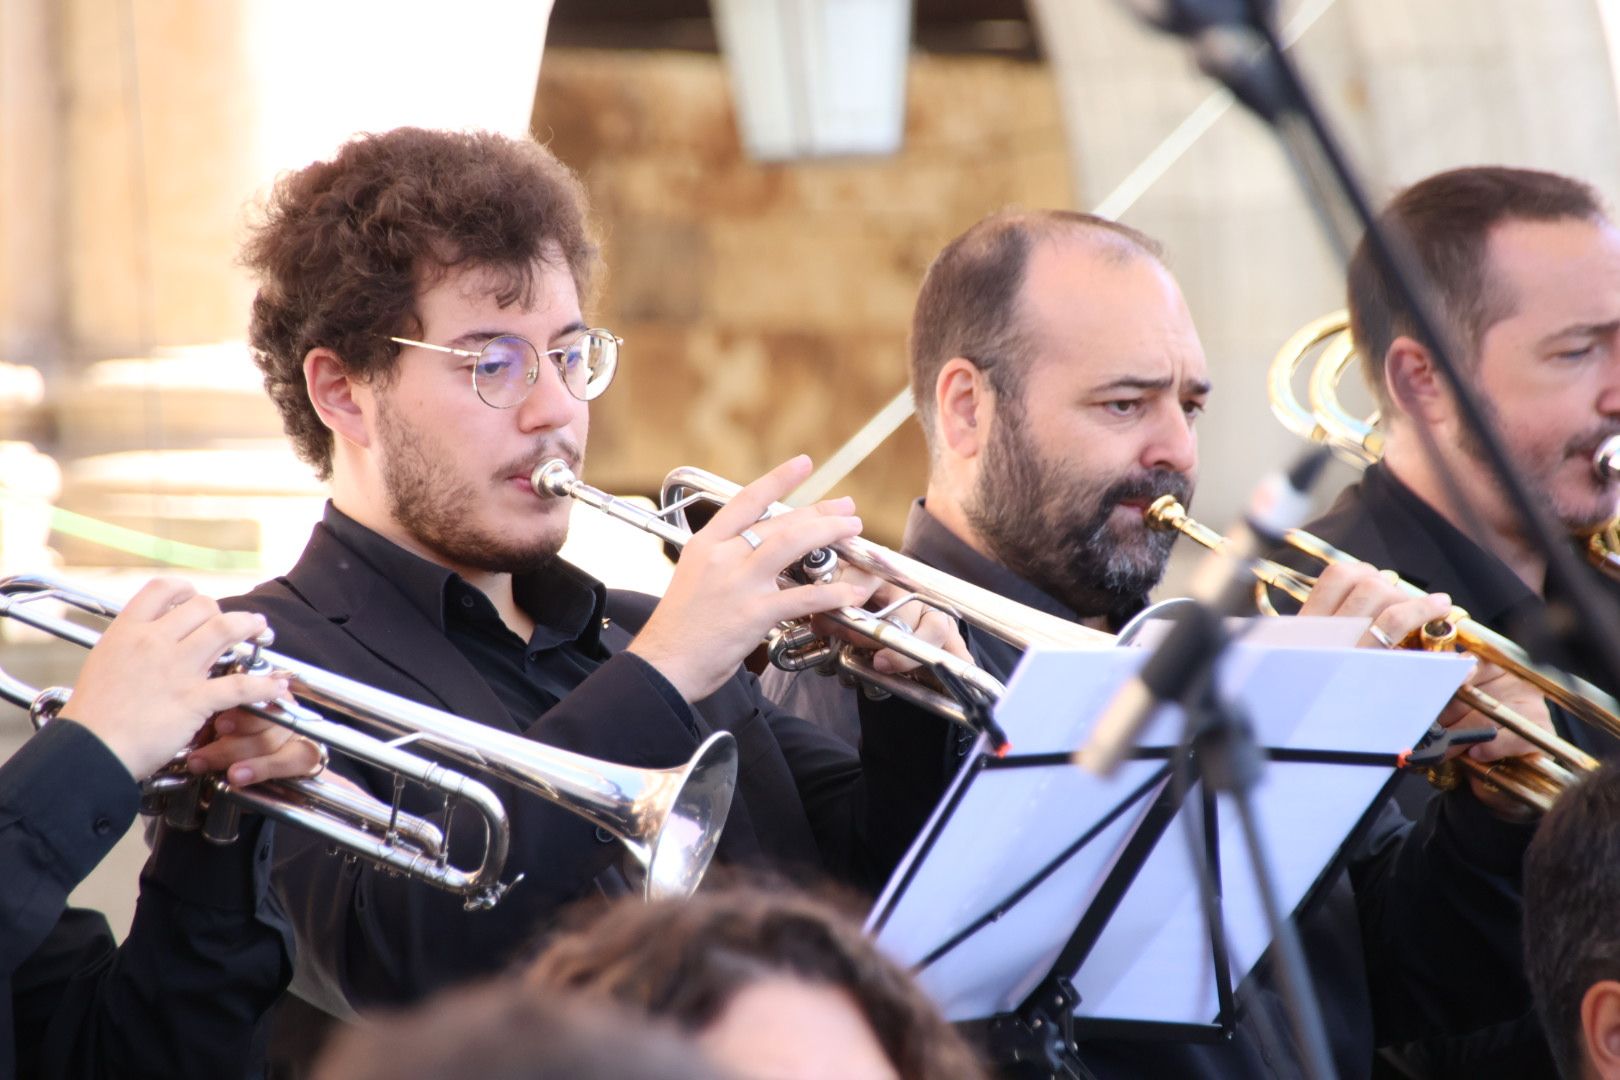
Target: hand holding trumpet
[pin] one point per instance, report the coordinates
(727, 594)
(1352, 588)
(145, 691)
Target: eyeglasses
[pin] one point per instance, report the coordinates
(506, 368)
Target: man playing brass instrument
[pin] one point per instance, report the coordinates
(1526, 270)
(1058, 376)
(420, 325)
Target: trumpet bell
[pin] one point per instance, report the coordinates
(683, 811)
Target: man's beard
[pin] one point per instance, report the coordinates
(1050, 526)
(1540, 472)
(440, 511)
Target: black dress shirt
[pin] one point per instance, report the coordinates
(1409, 936)
(567, 607)
(204, 958)
(807, 805)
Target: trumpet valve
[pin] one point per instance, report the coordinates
(222, 821)
(818, 567)
(794, 646)
(1440, 635)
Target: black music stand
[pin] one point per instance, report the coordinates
(1089, 926)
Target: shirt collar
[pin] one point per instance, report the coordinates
(927, 539)
(565, 603)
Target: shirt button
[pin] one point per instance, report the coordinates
(466, 601)
(603, 836)
(102, 826)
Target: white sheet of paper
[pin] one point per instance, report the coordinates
(1152, 961)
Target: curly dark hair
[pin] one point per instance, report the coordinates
(684, 960)
(345, 245)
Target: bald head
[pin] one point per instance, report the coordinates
(972, 303)
(1057, 374)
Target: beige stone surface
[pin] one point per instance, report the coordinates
(160, 136)
(765, 307)
(31, 238)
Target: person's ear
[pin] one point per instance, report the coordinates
(1414, 382)
(964, 405)
(336, 396)
(1600, 1024)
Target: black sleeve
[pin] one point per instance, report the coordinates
(184, 995)
(823, 700)
(367, 938)
(65, 800)
(866, 810)
(1440, 903)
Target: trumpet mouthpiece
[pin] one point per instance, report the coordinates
(1606, 462)
(552, 477)
(1166, 512)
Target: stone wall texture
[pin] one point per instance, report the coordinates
(765, 307)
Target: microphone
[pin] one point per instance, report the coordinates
(1220, 587)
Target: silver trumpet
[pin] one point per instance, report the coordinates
(669, 819)
(967, 691)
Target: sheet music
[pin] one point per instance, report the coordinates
(1152, 961)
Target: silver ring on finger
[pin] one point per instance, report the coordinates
(322, 757)
(752, 537)
(1379, 636)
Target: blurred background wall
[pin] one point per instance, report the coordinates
(765, 302)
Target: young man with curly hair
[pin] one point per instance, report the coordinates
(421, 324)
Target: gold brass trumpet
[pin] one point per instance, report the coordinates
(669, 819)
(794, 647)
(1536, 780)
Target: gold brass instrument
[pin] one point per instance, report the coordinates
(669, 819)
(1536, 780)
(1354, 440)
(795, 648)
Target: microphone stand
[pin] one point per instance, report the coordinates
(1236, 43)
(1229, 759)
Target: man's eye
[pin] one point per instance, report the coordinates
(1575, 354)
(1123, 408)
(1193, 409)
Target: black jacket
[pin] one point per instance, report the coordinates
(204, 958)
(806, 804)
